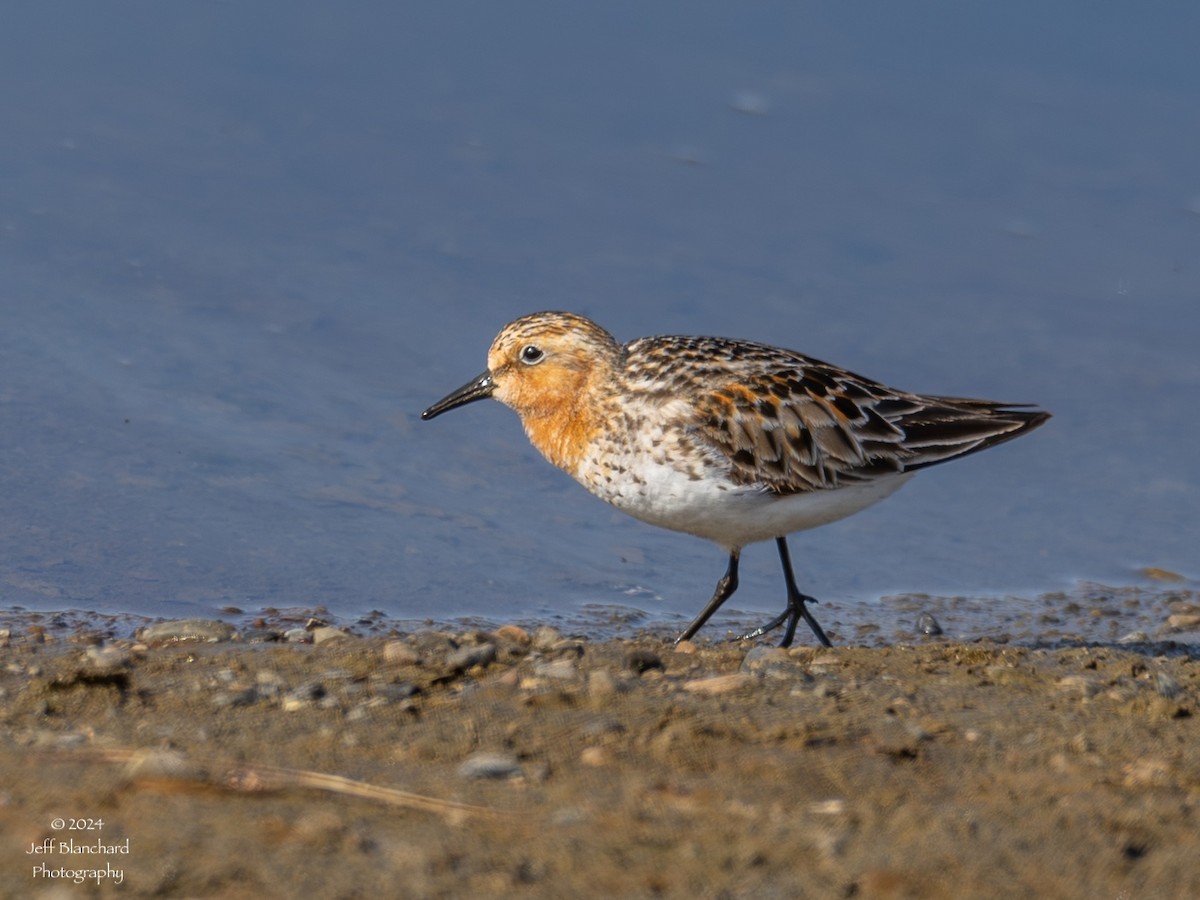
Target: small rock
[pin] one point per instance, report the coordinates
(594, 756)
(90, 638)
(268, 684)
(685, 647)
(1182, 607)
(468, 657)
(400, 653)
(546, 637)
(1134, 637)
(719, 684)
(160, 763)
(246, 696)
(106, 659)
(261, 636)
(178, 631)
(929, 626)
(297, 636)
(302, 696)
(1148, 771)
(1183, 622)
(601, 727)
(834, 807)
(323, 633)
(514, 633)
(433, 644)
(774, 661)
(490, 765)
(63, 739)
(397, 690)
(600, 683)
(560, 670)
(566, 647)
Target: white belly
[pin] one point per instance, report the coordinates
(731, 515)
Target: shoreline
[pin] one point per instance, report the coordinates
(533, 762)
(1088, 613)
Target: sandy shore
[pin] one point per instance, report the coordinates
(532, 763)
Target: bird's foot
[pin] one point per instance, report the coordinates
(796, 610)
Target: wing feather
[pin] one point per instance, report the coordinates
(790, 423)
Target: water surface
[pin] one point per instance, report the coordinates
(242, 247)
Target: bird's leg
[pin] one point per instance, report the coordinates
(725, 588)
(796, 610)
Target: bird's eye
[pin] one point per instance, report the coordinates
(530, 355)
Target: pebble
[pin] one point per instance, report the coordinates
(323, 633)
(468, 657)
(433, 644)
(929, 626)
(833, 807)
(160, 763)
(594, 756)
(719, 684)
(302, 696)
(1183, 622)
(400, 653)
(559, 670)
(774, 662)
(600, 683)
(268, 684)
(396, 690)
(514, 633)
(243, 697)
(261, 636)
(601, 727)
(208, 631)
(545, 637)
(565, 647)
(1147, 771)
(490, 765)
(106, 659)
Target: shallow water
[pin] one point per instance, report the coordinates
(240, 251)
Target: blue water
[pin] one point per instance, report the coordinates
(243, 246)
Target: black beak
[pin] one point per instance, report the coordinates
(478, 389)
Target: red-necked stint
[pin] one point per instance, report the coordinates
(729, 440)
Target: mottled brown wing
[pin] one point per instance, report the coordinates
(791, 423)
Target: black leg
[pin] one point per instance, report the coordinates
(725, 588)
(796, 610)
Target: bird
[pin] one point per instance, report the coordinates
(729, 440)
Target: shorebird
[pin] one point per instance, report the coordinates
(729, 440)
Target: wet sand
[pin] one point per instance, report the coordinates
(528, 762)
